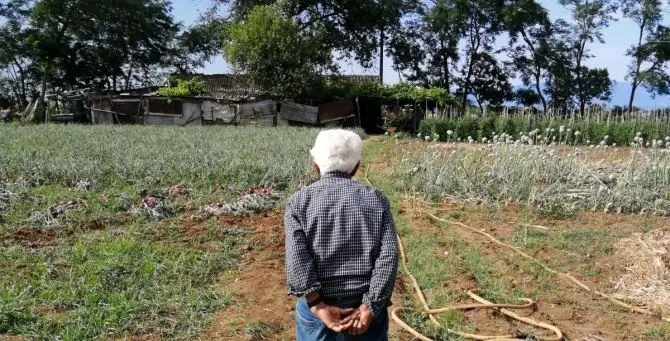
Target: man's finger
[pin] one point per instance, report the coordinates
(357, 327)
(336, 327)
(346, 326)
(351, 317)
(345, 312)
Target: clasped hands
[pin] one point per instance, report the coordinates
(340, 320)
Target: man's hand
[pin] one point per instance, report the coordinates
(362, 321)
(334, 318)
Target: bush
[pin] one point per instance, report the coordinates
(621, 134)
(467, 128)
(183, 88)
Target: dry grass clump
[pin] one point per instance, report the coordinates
(647, 277)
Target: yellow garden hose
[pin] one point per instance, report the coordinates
(484, 304)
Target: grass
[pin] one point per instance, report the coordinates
(576, 245)
(151, 156)
(258, 330)
(432, 268)
(557, 184)
(100, 271)
(659, 332)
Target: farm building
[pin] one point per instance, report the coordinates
(230, 99)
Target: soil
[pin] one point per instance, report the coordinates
(29, 237)
(259, 292)
(577, 313)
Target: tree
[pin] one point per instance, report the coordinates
(656, 53)
(350, 27)
(647, 15)
(426, 47)
(560, 83)
(490, 84)
(199, 43)
(597, 86)
(528, 22)
(14, 57)
(591, 17)
(275, 53)
(76, 43)
(482, 25)
(527, 97)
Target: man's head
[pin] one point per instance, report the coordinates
(337, 150)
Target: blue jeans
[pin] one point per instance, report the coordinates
(309, 328)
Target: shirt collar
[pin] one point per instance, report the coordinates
(336, 175)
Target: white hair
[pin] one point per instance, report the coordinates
(337, 150)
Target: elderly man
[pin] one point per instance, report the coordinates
(341, 248)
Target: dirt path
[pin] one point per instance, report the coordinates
(260, 308)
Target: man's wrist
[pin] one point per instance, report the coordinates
(313, 299)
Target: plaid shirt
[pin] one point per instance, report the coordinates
(341, 242)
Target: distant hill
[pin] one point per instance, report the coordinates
(643, 99)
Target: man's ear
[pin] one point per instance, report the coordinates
(316, 168)
(353, 173)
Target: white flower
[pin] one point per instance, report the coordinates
(449, 132)
(577, 133)
(614, 145)
(638, 134)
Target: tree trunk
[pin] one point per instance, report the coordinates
(538, 88)
(580, 86)
(466, 85)
(638, 64)
(381, 56)
(32, 116)
(445, 67)
(23, 99)
(129, 75)
(475, 42)
(538, 70)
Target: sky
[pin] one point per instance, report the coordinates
(619, 36)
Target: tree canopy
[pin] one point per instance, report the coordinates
(485, 53)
